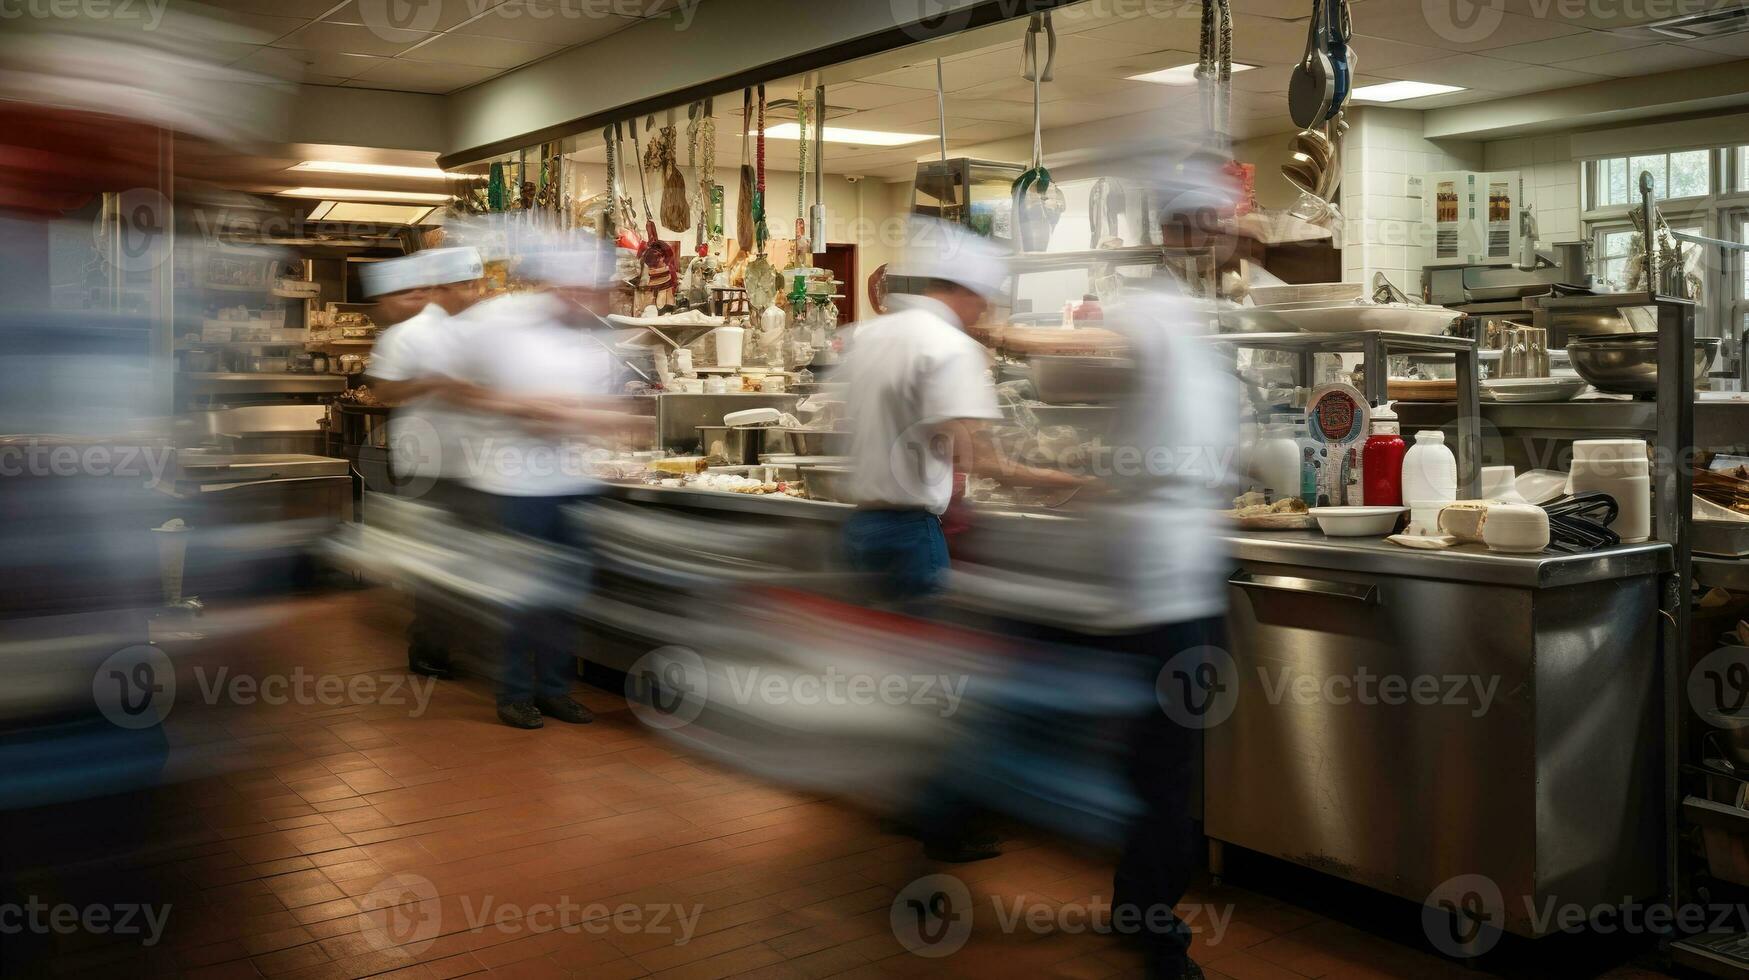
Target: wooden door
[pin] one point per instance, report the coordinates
(841, 259)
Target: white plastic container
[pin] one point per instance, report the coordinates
(1516, 528)
(1501, 483)
(1630, 483)
(729, 344)
(1429, 478)
(1276, 461)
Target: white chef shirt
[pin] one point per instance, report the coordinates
(909, 372)
(519, 345)
(1159, 543)
(426, 433)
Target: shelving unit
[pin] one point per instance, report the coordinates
(1375, 347)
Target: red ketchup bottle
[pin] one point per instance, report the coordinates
(1381, 461)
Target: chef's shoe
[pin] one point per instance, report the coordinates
(427, 663)
(1173, 967)
(519, 714)
(962, 849)
(564, 709)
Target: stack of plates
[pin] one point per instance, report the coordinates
(1556, 389)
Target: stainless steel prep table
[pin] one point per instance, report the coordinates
(1552, 792)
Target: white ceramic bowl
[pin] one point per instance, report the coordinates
(1357, 522)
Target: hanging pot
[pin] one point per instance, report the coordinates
(1038, 202)
(1312, 88)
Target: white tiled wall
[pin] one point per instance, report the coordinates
(1551, 182)
(1382, 229)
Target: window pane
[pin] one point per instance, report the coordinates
(1743, 259)
(1691, 173)
(1639, 165)
(1743, 168)
(1617, 244)
(1616, 184)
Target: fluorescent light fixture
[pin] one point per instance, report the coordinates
(838, 134)
(379, 170)
(386, 214)
(1180, 74)
(354, 194)
(1398, 91)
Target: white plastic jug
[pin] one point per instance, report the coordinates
(1429, 478)
(729, 343)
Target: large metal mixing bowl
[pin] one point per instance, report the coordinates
(1627, 363)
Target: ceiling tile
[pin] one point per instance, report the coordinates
(482, 52)
(304, 65)
(1272, 79)
(1437, 25)
(1464, 70)
(987, 110)
(1265, 41)
(1372, 53)
(1536, 78)
(305, 9)
(1065, 87)
(1601, 16)
(1645, 61)
(1573, 46)
(566, 24)
(960, 74)
(862, 95)
(420, 16)
(420, 76)
(352, 39)
(226, 26)
(1737, 45)
(1137, 64)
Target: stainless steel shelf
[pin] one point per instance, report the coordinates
(1722, 573)
(1717, 425)
(1609, 301)
(1394, 341)
(283, 384)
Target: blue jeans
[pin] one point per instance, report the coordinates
(536, 661)
(905, 548)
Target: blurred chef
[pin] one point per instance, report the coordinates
(539, 383)
(409, 365)
(1158, 588)
(922, 399)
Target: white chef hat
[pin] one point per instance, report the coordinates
(582, 260)
(936, 249)
(446, 265)
(393, 275)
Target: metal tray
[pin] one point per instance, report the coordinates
(1723, 539)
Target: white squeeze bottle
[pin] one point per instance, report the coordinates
(1429, 479)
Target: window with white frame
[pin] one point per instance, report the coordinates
(1616, 180)
(1701, 192)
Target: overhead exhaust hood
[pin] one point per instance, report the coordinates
(1692, 27)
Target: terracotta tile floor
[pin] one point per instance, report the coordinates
(292, 819)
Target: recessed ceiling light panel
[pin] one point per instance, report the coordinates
(838, 134)
(355, 194)
(378, 170)
(1180, 74)
(1399, 91)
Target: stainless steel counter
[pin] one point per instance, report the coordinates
(1549, 784)
(768, 504)
(1470, 563)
